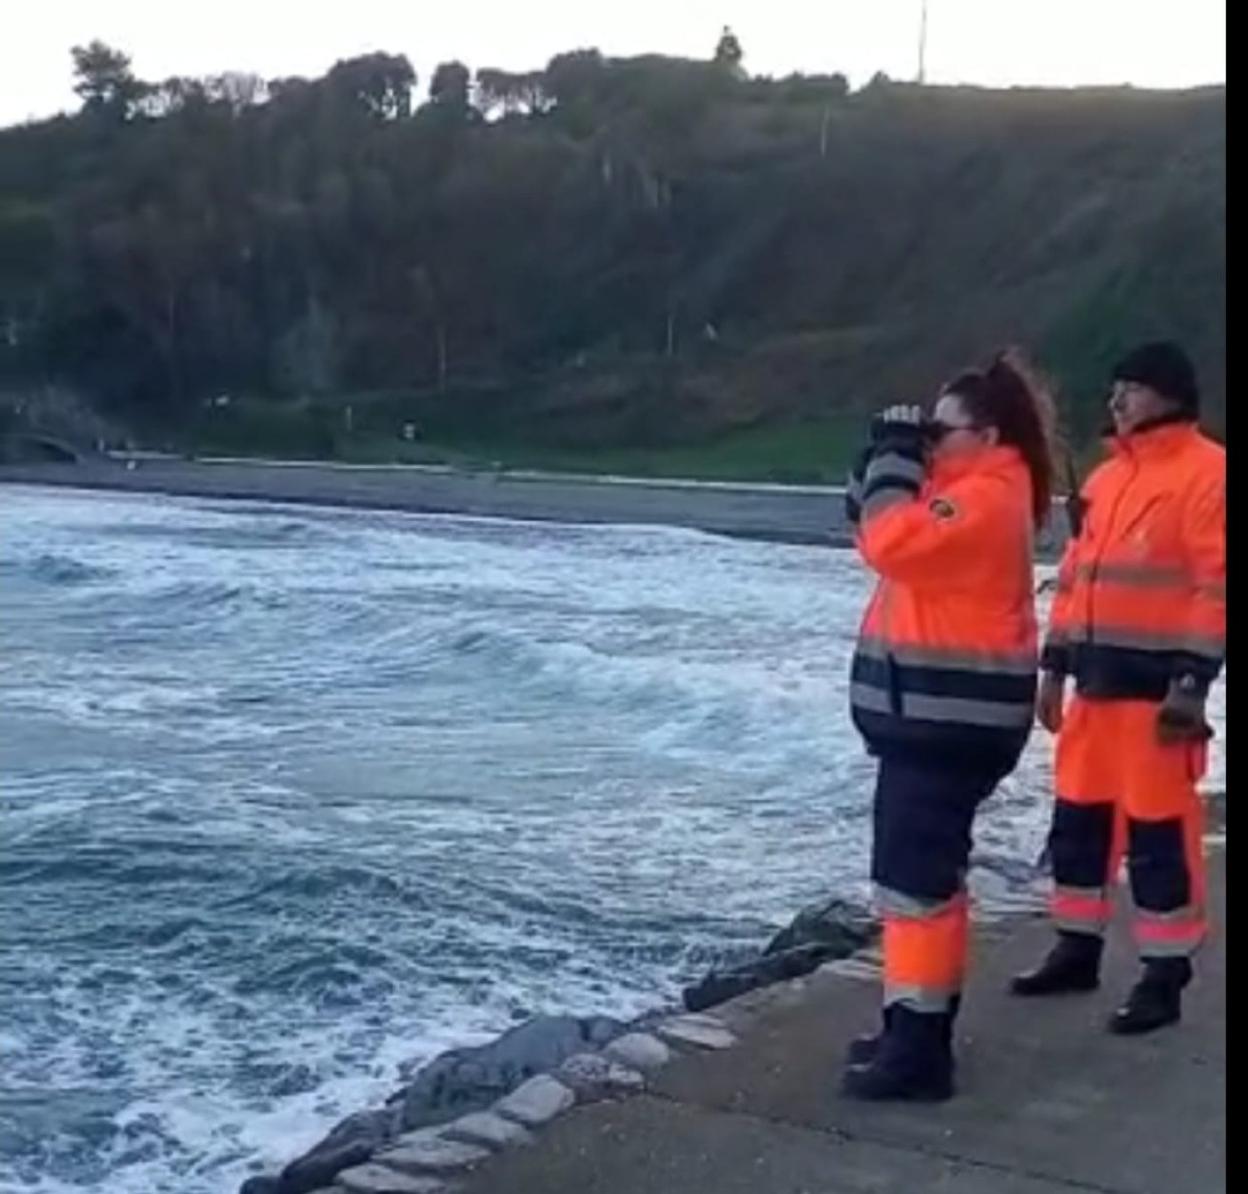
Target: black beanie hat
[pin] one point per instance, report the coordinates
(1162, 366)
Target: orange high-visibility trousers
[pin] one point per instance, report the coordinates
(1120, 791)
(920, 852)
(925, 955)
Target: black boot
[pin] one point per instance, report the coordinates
(1073, 964)
(914, 1060)
(1156, 1000)
(863, 1048)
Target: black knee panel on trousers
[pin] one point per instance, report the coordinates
(922, 833)
(1080, 841)
(1157, 863)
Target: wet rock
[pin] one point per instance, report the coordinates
(352, 1142)
(427, 1152)
(639, 1051)
(320, 1167)
(720, 986)
(819, 933)
(464, 1080)
(536, 1102)
(593, 1076)
(261, 1185)
(837, 925)
(685, 1030)
(377, 1179)
(487, 1129)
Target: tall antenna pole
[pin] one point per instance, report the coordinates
(923, 44)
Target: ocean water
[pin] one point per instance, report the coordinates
(292, 796)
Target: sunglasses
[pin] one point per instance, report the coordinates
(934, 430)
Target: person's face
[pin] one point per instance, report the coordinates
(959, 434)
(1132, 403)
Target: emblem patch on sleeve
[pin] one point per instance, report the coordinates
(942, 508)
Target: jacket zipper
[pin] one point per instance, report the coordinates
(1104, 545)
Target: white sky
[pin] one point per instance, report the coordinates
(1149, 43)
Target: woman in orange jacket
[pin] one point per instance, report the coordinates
(943, 683)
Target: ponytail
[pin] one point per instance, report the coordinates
(1010, 396)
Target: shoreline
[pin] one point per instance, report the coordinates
(776, 1046)
(749, 1101)
(796, 515)
(580, 1058)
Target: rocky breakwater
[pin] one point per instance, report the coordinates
(819, 933)
(467, 1103)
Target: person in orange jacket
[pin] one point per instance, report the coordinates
(943, 684)
(1139, 622)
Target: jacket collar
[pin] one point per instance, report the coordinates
(1000, 459)
(1162, 436)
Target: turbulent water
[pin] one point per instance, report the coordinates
(292, 796)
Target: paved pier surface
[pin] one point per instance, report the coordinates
(1050, 1103)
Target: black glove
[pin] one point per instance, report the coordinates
(899, 426)
(853, 488)
(902, 429)
(1181, 717)
(1050, 700)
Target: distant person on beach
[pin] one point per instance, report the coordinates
(943, 683)
(1139, 622)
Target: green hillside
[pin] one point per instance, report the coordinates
(649, 263)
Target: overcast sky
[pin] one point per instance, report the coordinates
(1150, 43)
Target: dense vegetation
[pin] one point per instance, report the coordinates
(604, 254)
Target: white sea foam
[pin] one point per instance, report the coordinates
(295, 797)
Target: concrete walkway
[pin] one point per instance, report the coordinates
(1050, 1103)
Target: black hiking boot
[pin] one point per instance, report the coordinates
(1073, 964)
(913, 1062)
(1156, 1000)
(863, 1048)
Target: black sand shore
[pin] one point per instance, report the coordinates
(778, 513)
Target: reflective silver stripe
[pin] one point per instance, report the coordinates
(1186, 914)
(921, 707)
(1213, 649)
(892, 466)
(1064, 918)
(1014, 663)
(1169, 949)
(865, 696)
(1215, 589)
(891, 902)
(890, 479)
(919, 999)
(1189, 922)
(1144, 640)
(884, 498)
(1002, 714)
(1143, 576)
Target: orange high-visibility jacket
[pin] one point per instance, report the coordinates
(946, 658)
(1141, 597)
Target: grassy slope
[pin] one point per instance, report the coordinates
(940, 224)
